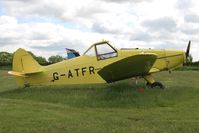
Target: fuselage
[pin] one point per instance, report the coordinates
(84, 69)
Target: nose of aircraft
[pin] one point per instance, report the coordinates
(185, 58)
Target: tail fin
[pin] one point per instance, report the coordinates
(24, 65)
(23, 62)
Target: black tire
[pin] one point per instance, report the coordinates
(26, 85)
(157, 84)
(148, 84)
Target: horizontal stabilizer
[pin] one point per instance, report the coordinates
(17, 74)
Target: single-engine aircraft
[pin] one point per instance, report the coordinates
(101, 63)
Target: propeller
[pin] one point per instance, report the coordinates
(188, 49)
(187, 53)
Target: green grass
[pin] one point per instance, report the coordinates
(5, 68)
(188, 68)
(116, 107)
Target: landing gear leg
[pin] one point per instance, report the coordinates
(152, 83)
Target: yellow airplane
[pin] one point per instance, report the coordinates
(101, 63)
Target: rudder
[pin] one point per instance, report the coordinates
(24, 65)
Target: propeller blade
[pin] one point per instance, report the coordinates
(188, 49)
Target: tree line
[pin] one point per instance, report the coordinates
(6, 59)
(190, 61)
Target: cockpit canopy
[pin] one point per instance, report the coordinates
(102, 50)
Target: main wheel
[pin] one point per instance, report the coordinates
(157, 84)
(148, 84)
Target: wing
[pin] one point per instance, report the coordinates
(136, 65)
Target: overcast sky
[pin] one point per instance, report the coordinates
(46, 27)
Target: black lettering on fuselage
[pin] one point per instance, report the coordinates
(55, 76)
(83, 70)
(70, 75)
(91, 70)
(77, 72)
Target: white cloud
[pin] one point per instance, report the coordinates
(47, 27)
(127, 1)
(192, 18)
(184, 4)
(161, 24)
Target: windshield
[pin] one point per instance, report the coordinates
(101, 50)
(90, 51)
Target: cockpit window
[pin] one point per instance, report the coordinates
(105, 51)
(102, 51)
(90, 51)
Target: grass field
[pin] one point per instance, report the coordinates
(116, 107)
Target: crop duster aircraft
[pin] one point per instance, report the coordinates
(101, 63)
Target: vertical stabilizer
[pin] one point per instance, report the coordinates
(24, 65)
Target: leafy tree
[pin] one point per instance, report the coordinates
(41, 60)
(33, 55)
(189, 59)
(6, 58)
(55, 59)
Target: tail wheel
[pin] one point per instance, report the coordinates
(26, 85)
